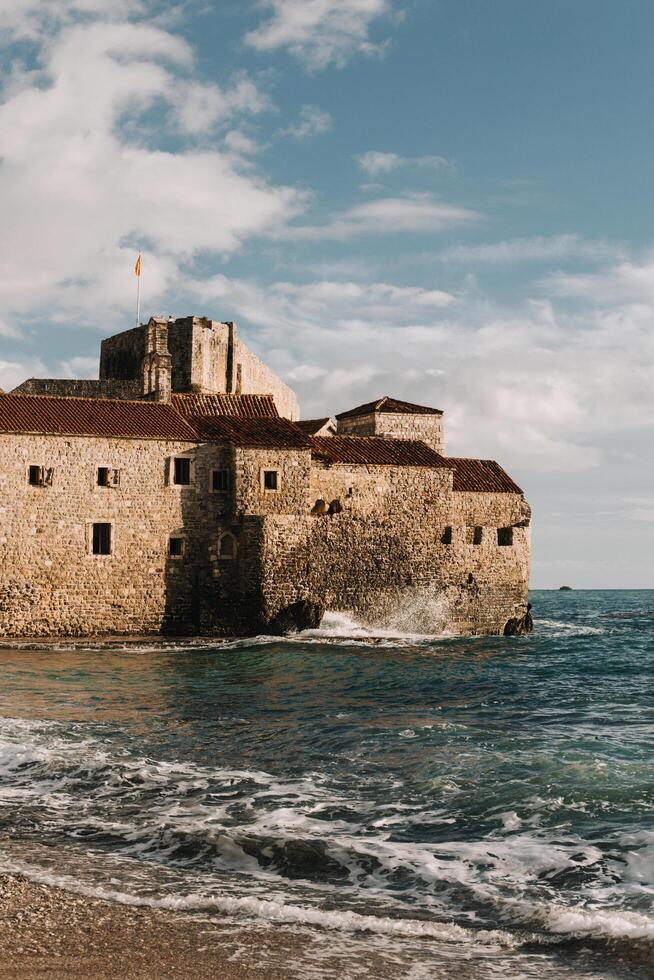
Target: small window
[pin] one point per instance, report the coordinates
(181, 471)
(108, 477)
(220, 481)
(101, 539)
(505, 536)
(176, 547)
(227, 546)
(477, 535)
(40, 476)
(446, 536)
(270, 479)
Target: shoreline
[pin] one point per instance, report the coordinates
(46, 931)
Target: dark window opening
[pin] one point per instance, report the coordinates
(477, 535)
(446, 536)
(176, 547)
(35, 476)
(270, 479)
(505, 536)
(103, 476)
(182, 471)
(220, 481)
(101, 544)
(227, 546)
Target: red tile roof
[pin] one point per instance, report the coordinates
(262, 433)
(391, 406)
(375, 451)
(246, 406)
(481, 476)
(111, 418)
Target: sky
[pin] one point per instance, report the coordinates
(447, 201)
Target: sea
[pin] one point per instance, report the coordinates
(413, 804)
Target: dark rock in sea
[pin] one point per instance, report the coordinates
(520, 625)
(565, 588)
(301, 615)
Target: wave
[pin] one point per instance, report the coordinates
(308, 841)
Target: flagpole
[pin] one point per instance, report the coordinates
(138, 290)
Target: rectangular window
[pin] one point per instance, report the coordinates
(101, 539)
(270, 480)
(108, 477)
(181, 471)
(220, 481)
(446, 536)
(477, 535)
(176, 547)
(40, 476)
(505, 536)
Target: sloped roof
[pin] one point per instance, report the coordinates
(389, 405)
(246, 406)
(376, 451)
(257, 433)
(312, 426)
(112, 418)
(481, 476)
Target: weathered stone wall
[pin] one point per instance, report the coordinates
(427, 428)
(121, 356)
(293, 467)
(384, 557)
(81, 388)
(50, 583)
(252, 377)
(248, 552)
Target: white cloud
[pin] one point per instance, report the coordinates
(84, 178)
(543, 389)
(320, 32)
(412, 213)
(374, 163)
(313, 121)
(627, 282)
(537, 249)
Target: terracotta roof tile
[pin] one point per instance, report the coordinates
(246, 406)
(481, 476)
(376, 451)
(389, 405)
(111, 418)
(262, 433)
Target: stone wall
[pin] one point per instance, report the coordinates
(50, 583)
(252, 376)
(121, 356)
(81, 388)
(384, 557)
(426, 428)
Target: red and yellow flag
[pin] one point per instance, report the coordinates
(137, 267)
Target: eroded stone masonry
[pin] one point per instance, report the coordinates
(180, 493)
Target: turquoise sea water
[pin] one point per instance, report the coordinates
(467, 808)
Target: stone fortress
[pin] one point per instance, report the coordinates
(180, 493)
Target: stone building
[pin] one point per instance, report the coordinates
(179, 493)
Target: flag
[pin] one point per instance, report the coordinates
(137, 267)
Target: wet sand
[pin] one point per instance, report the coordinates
(46, 932)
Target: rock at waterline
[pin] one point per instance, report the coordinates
(565, 588)
(520, 625)
(301, 615)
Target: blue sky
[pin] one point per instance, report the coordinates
(444, 200)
